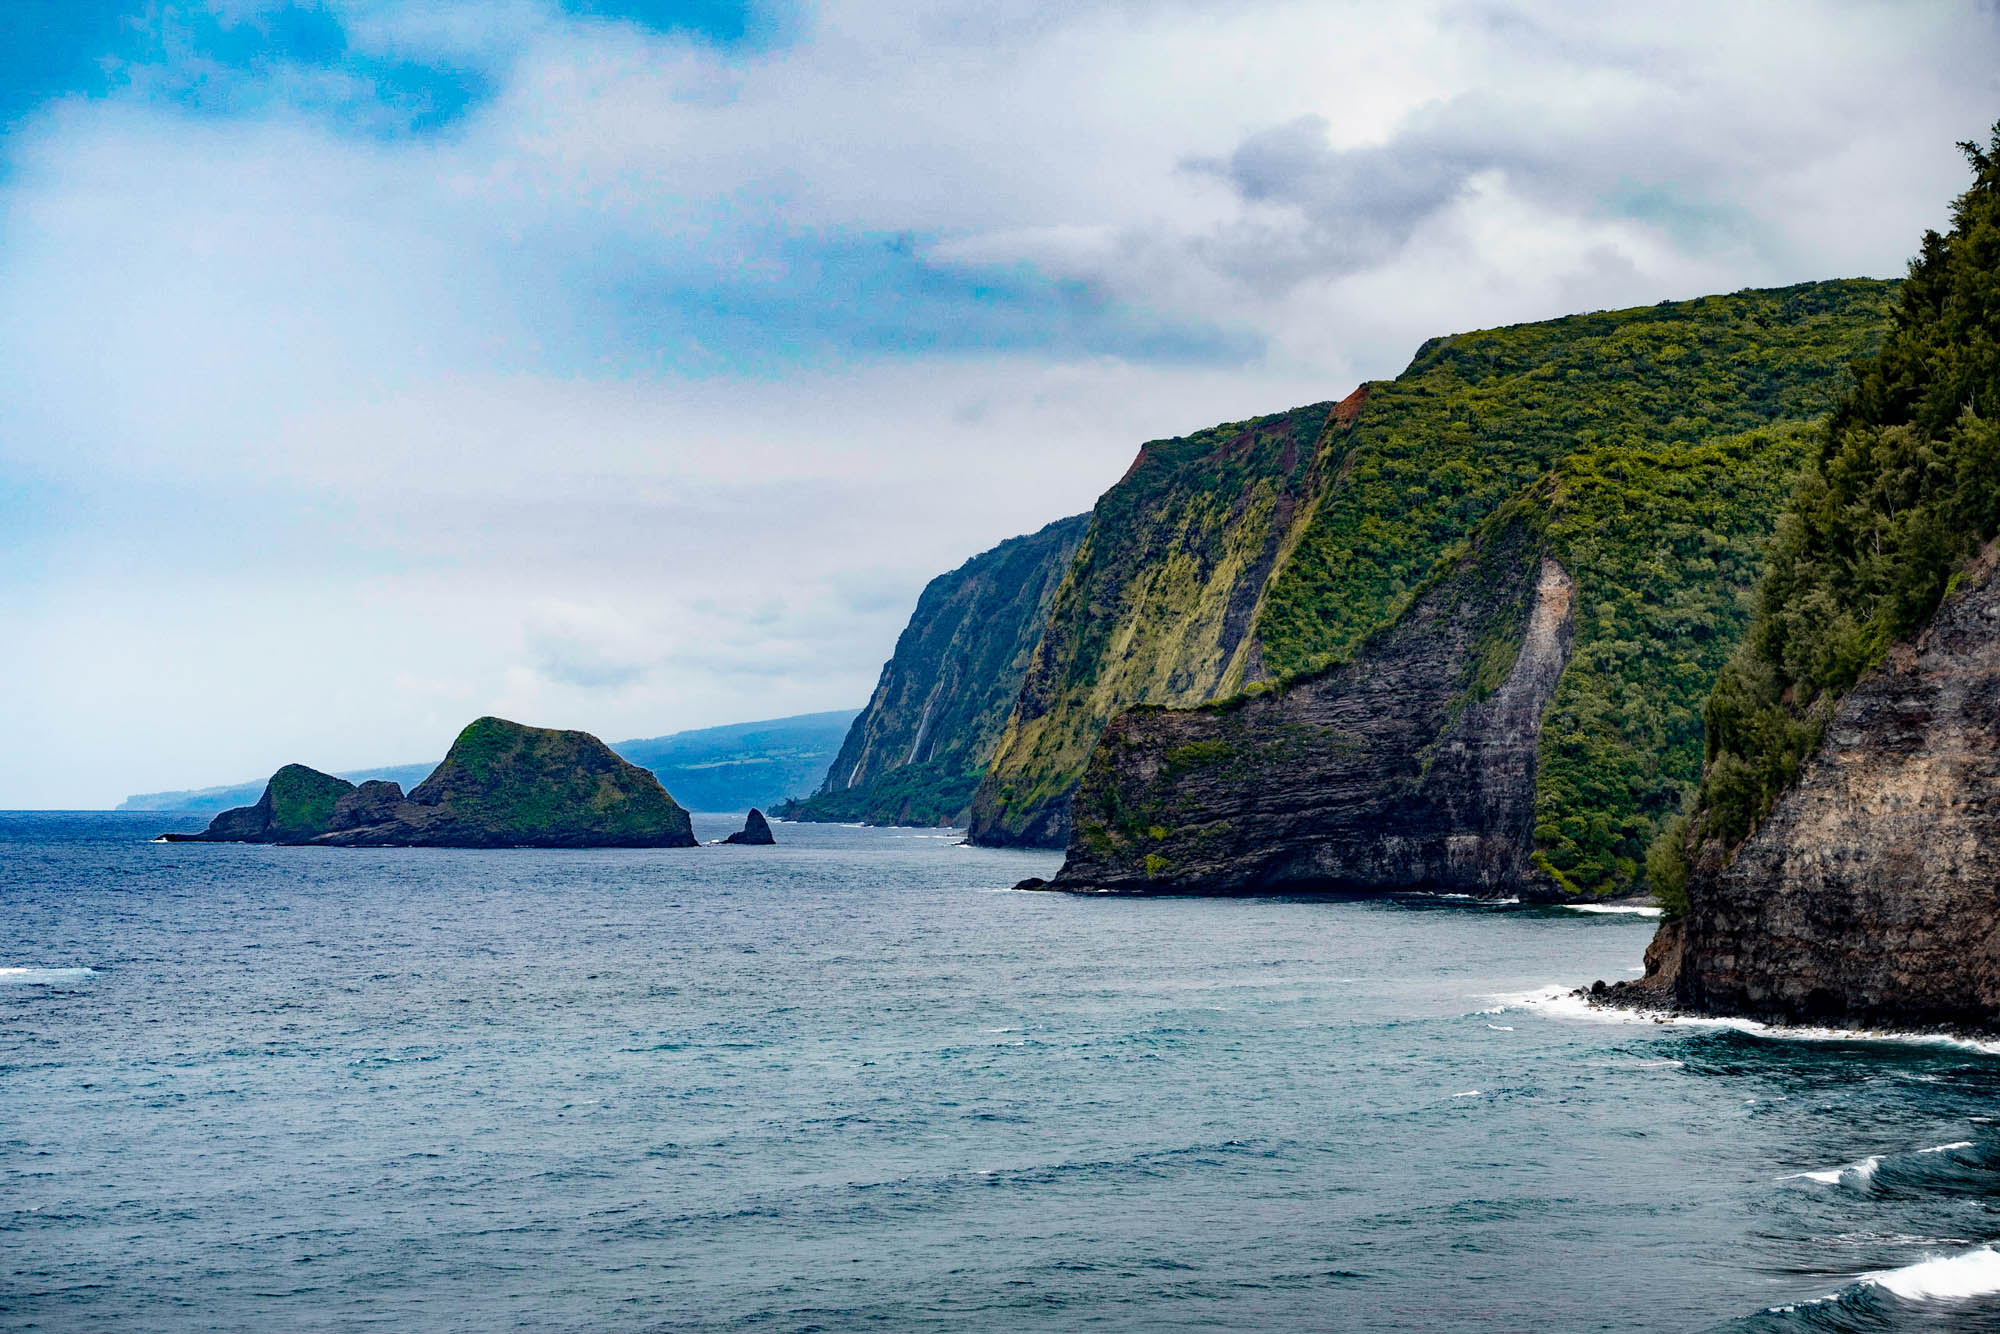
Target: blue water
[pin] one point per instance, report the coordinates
(852, 1083)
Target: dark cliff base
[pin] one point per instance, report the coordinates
(1045, 828)
(1412, 767)
(1870, 897)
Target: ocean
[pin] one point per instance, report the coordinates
(854, 1082)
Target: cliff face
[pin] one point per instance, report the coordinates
(1158, 605)
(1412, 765)
(1871, 894)
(1548, 776)
(501, 785)
(916, 753)
(1272, 550)
(1842, 861)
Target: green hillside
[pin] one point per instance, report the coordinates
(1158, 605)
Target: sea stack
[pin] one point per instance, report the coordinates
(756, 829)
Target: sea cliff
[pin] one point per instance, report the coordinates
(1413, 764)
(1871, 893)
(1266, 551)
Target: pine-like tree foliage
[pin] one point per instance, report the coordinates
(1905, 488)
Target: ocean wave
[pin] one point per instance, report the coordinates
(1938, 1291)
(1564, 1002)
(1625, 909)
(1974, 1273)
(1961, 1168)
(1860, 1173)
(25, 976)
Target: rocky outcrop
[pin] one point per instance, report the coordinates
(371, 805)
(917, 752)
(1411, 766)
(756, 829)
(1871, 893)
(501, 785)
(297, 805)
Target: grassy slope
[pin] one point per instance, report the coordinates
(1479, 416)
(1664, 543)
(302, 800)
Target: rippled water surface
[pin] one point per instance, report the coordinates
(851, 1083)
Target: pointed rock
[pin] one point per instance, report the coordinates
(756, 829)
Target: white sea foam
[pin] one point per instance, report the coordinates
(1501, 1028)
(1564, 1003)
(1944, 1278)
(1469, 1093)
(30, 975)
(1624, 909)
(1863, 1172)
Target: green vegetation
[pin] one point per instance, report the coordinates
(1162, 816)
(1324, 546)
(1905, 487)
(913, 794)
(1479, 416)
(538, 785)
(301, 801)
(1664, 544)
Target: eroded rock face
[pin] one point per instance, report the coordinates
(1871, 895)
(916, 753)
(1412, 766)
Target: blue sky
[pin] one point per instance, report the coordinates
(372, 364)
